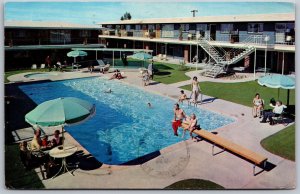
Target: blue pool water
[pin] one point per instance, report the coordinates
(39, 75)
(123, 128)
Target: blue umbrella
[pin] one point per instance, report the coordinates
(142, 56)
(278, 81)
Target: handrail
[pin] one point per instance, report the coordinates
(210, 47)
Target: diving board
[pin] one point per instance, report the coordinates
(255, 158)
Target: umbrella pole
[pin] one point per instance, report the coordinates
(63, 137)
(288, 97)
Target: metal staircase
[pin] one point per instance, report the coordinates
(224, 59)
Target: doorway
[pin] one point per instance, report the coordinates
(212, 31)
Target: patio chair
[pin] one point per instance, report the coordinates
(42, 66)
(280, 118)
(105, 68)
(33, 66)
(165, 57)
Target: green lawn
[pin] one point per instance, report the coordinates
(282, 143)
(194, 184)
(169, 73)
(243, 92)
(16, 176)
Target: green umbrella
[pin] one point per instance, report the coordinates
(278, 81)
(142, 56)
(76, 53)
(60, 112)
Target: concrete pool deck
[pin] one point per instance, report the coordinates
(187, 159)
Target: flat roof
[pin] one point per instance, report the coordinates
(40, 47)
(114, 49)
(46, 25)
(211, 19)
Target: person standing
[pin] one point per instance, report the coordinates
(179, 115)
(48, 62)
(195, 89)
(150, 70)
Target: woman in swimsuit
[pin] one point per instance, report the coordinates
(258, 105)
(195, 90)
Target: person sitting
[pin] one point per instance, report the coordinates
(117, 75)
(56, 141)
(192, 125)
(36, 142)
(91, 69)
(258, 105)
(182, 97)
(278, 109)
(46, 144)
(58, 66)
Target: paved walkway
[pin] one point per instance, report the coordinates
(190, 159)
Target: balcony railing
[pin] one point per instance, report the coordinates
(259, 39)
(48, 41)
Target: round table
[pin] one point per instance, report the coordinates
(62, 152)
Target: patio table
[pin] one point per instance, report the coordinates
(63, 153)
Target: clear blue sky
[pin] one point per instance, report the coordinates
(95, 12)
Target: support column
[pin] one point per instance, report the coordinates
(186, 53)
(254, 64)
(282, 71)
(190, 52)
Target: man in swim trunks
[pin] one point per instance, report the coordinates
(179, 115)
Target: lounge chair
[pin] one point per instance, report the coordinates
(42, 66)
(105, 68)
(33, 66)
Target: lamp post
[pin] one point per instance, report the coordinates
(267, 38)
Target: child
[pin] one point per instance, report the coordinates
(45, 142)
(182, 97)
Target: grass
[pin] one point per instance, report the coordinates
(282, 143)
(9, 73)
(243, 92)
(169, 73)
(16, 176)
(194, 184)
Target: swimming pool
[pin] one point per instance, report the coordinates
(124, 127)
(39, 75)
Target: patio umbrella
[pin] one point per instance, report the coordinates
(60, 112)
(142, 56)
(278, 81)
(76, 53)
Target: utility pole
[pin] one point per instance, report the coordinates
(194, 12)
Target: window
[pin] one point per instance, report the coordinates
(137, 27)
(20, 34)
(128, 27)
(60, 36)
(186, 27)
(255, 27)
(284, 27)
(226, 28)
(84, 33)
(201, 27)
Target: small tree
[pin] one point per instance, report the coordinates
(126, 16)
